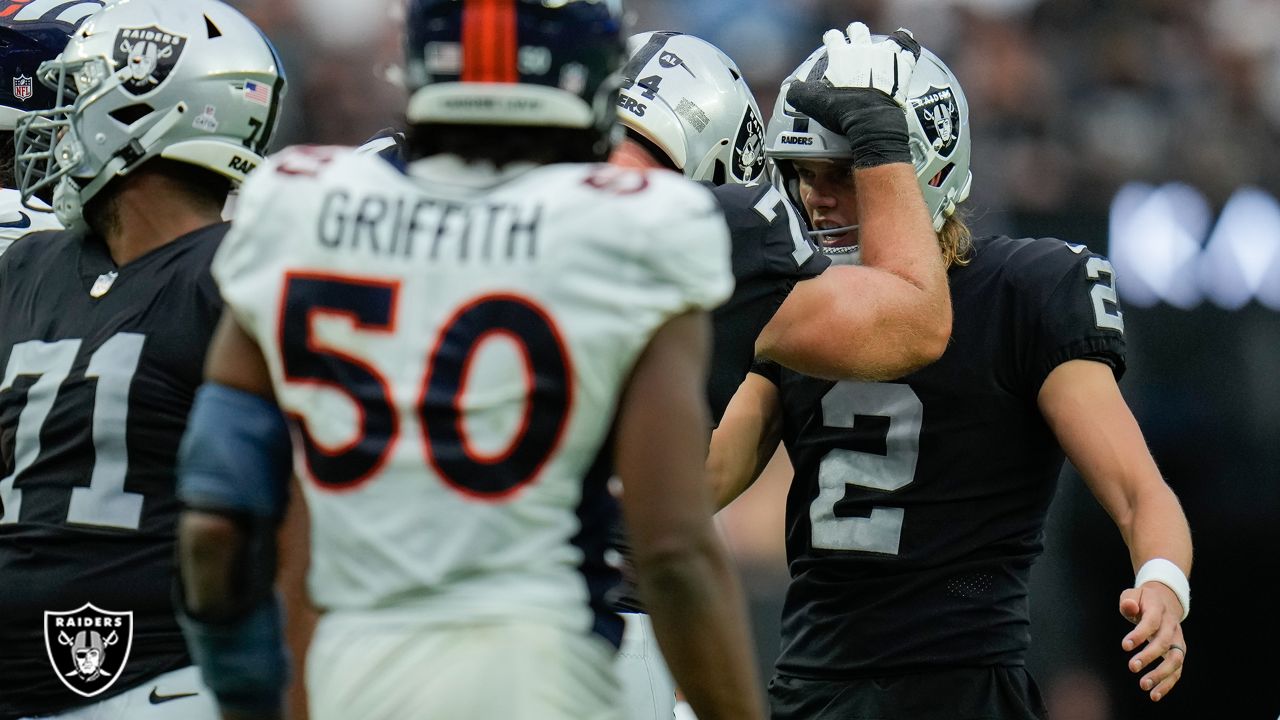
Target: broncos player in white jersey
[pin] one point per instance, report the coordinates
(30, 33)
(465, 348)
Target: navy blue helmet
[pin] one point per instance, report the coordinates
(526, 63)
(31, 32)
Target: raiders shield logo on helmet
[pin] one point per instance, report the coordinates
(149, 54)
(939, 115)
(88, 647)
(748, 148)
(23, 88)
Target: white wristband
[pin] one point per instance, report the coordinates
(1168, 574)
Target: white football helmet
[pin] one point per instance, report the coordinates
(937, 123)
(688, 98)
(192, 81)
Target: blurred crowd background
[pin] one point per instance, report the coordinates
(1145, 128)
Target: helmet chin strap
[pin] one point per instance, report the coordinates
(819, 234)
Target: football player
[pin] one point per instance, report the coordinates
(161, 106)
(918, 506)
(30, 33)
(686, 107)
(465, 347)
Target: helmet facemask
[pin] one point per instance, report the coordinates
(937, 125)
(130, 86)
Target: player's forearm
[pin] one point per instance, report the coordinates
(745, 441)
(209, 546)
(894, 229)
(699, 617)
(1156, 527)
(896, 235)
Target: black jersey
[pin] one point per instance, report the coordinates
(770, 253)
(93, 402)
(918, 506)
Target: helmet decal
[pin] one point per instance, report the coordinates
(23, 88)
(689, 99)
(748, 148)
(150, 54)
(939, 115)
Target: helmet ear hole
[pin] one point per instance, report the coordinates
(938, 179)
(131, 114)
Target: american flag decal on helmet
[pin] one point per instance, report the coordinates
(257, 92)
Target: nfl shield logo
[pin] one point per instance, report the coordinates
(23, 88)
(88, 647)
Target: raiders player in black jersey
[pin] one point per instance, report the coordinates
(102, 346)
(686, 107)
(918, 506)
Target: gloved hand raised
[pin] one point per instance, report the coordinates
(863, 93)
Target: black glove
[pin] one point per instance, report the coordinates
(867, 108)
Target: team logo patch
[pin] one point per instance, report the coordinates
(939, 115)
(23, 88)
(748, 148)
(88, 647)
(149, 54)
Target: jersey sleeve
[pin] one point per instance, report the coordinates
(767, 369)
(769, 239)
(688, 249)
(1070, 310)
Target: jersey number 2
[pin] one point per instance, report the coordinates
(371, 305)
(104, 502)
(880, 454)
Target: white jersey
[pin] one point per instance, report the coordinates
(450, 345)
(16, 220)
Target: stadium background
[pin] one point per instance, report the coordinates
(1146, 129)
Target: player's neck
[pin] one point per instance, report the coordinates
(149, 214)
(632, 154)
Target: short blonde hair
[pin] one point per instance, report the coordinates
(956, 240)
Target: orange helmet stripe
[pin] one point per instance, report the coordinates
(489, 42)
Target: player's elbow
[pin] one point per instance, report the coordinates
(208, 549)
(674, 554)
(922, 338)
(933, 339)
(673, 568)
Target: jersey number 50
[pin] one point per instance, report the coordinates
(371, 306)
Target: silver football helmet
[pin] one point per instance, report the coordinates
(192, 81)
(688, 98)
(937, 122)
